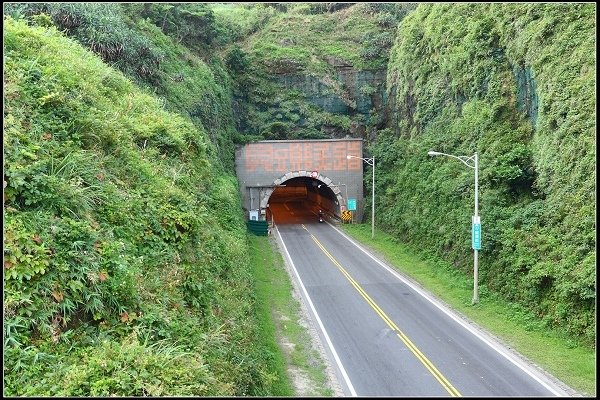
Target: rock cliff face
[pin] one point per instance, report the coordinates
(358, 94)
(527, 98)
(351, 92)
(318, 72)
(344, 102)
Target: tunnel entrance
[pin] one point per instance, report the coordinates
(270, 165)
(298, 200)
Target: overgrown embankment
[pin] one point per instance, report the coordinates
(125, 268)
(310, 70)
(514, 83)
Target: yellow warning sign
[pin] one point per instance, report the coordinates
(346, 216)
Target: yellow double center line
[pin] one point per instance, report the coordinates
(409, 344)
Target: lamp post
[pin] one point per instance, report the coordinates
(476, 225)
(370, 161)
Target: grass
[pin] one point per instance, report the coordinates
(563, 357)
(280, 317)
(308, 39)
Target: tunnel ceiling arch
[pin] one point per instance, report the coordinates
(305, 178)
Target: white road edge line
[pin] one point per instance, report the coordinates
(312, 307)
(493, 345)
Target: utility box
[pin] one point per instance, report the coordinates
(253, 215)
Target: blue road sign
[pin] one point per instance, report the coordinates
(476, 236)
(352, 204)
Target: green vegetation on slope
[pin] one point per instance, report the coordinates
(306, 70)
(514, 83)
(124, 248)
(147, 42)
(191, 78)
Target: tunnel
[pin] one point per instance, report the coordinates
(266, 168)
(298, 200)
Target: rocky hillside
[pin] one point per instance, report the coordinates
(312, 70)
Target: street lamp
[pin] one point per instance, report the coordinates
(476, 225)
(370, 161)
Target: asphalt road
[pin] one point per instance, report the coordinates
(385, 335)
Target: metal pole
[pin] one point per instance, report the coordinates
(373, 204)
(475, 251)
(465, 160)
(373, 191)
(340, 184)
(347, 200)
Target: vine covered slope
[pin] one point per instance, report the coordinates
(516, 84)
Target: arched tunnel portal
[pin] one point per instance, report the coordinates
(293, 179)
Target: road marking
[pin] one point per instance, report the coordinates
(312, 307)
(409, 344)
(542, 380)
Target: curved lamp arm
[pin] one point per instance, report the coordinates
(463, 159)
(369, 161)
